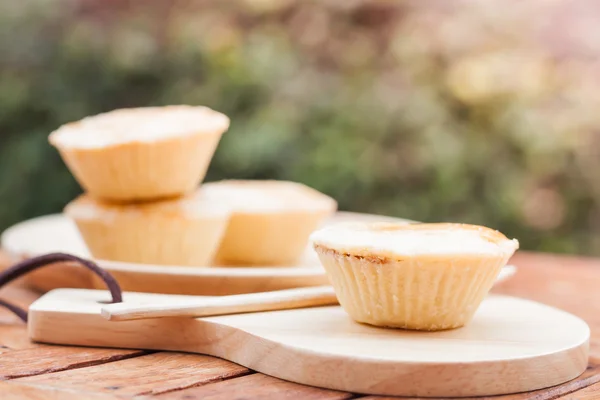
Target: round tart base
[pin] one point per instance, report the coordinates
(422, 294)
(423, 276)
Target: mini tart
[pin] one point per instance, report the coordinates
(182, 232)
(422, 276)
(271, 220)
(141, 153)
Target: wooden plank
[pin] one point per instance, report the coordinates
(13, 391)
(13, 332)
(5, 262)
(255, 386)
(589, 379)
(14, 337)
(45, 359)
(589, 393)
(17, 295)
(147, 375)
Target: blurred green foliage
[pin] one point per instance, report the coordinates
(457, 111)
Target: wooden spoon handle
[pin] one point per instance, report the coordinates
(222, 305)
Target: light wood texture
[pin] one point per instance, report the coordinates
(197, 306)
(567, 282)
(564, 391)
(12, 333)
(508, 339)
(57, 233)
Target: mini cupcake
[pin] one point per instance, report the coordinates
(141, 153)
(271, 220)
(182, 232)
(421, 276)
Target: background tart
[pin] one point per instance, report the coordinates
(271, 220)
(141, 153)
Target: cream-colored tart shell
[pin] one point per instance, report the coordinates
(418, 291)
(130, 166)
(271, 221)
(183, 232)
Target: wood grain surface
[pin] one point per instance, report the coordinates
(589, 393)
(589, 377)
(508, 339)
(569, 283)
(147, 375)
(47, 359)
(566, 282)
(255, 386)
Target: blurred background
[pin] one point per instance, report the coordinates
(469, 111)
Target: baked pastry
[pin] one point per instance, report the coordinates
(421, 276)
(185, 231)
(141, 153)
(271, 220)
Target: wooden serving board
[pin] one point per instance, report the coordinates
(512, 345)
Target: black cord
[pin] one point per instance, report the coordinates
(31, 264)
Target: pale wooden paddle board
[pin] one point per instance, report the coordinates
(512, 345)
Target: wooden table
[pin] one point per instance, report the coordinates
(38, 371)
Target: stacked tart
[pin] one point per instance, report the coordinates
(141, 154)
(141, 169)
